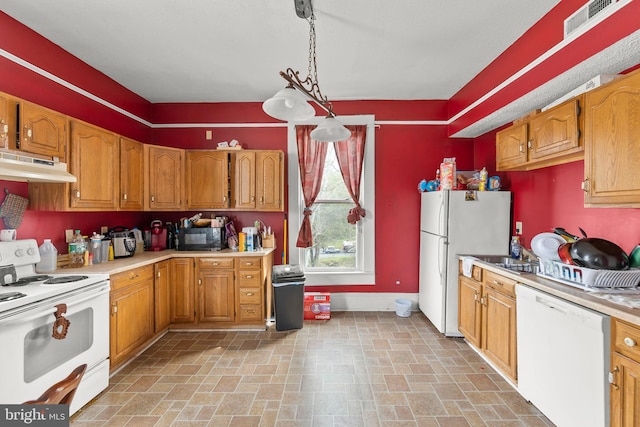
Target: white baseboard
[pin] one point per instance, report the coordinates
(370, 301)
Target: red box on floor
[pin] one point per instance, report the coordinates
(317, 306)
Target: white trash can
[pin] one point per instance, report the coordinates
(403, 307)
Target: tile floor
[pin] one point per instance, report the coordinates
(357, 369)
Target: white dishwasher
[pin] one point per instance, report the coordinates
(563, 359)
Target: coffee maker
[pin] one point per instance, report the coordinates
(158, 236)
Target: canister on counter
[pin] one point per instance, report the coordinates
(242, 241)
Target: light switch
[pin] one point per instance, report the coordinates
(208, 135)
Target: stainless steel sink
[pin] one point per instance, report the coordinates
(508, 263)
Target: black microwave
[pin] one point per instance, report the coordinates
(202, 239)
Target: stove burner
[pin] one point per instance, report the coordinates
(8, 296)
(29, 279)
(64, 279)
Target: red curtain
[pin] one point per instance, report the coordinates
(350, 154)
(311, 156)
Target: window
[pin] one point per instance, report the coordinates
(342, 253)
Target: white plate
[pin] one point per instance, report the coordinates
(545, 245)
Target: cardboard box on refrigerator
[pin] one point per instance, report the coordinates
(317, 306)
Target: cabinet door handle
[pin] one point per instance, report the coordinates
(224, 198)
(495, 282)
(124, 196)
(153, 199)
(253, 198)
(530, 144)
(114, 308)
(5, 129)
(520, 148)
(248, 277)
(612, 378)
(249, 294)
(75, 193)
(629, 342)
(585, 185)
(28, 133)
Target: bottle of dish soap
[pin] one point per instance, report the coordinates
(515, 247)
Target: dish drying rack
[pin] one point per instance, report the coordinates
(589, 278)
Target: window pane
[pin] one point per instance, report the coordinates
(334, 239)
(333, 187)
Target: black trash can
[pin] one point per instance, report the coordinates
(288, 296)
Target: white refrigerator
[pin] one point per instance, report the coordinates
(454, 223)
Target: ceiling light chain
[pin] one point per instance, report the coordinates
(290, 104)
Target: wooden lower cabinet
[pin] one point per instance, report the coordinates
(162, 294)
(182, 291)
(226, 292)
(487, 317)
(132, 313)
(625, 374)
(216, 294)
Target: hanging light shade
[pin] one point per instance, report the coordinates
(330, 130)
(289, 105)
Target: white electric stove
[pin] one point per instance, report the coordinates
(54, 323)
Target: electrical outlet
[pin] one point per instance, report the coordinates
(68, 236)
(518, 228)
(104, 229)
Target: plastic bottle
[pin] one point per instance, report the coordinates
(484, 178)
(77, 249)
(515, 247)
(48, 257)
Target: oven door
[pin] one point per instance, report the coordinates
(31, 360)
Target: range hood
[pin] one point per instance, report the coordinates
(16, 167)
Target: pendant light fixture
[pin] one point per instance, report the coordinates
(291, 103)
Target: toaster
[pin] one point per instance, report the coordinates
(124, 242)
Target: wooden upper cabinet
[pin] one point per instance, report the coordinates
(612, 138)
(269, 181)
(543, 139)
(42, 131)
(95, 163)
(245, 180)
(259, 177)
(556, 131)
(511, 147)
(7, 121)
(207, 179)
(163, 167)
(131, 175)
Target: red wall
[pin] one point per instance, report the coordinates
(551, 197)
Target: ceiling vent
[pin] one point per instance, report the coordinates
(589, 13)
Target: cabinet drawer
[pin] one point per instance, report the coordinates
(250, 312)
(249, 262)
(476, 272)
(250, 296)
(626, 339)
(499, 283)
(249, 278)
(222, 263)
(127, 278)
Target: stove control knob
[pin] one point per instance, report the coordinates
(32, 251)
(19, 252)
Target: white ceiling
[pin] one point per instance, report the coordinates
(232, 50)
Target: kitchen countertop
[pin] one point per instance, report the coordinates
(566, 292)
(120, 265)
